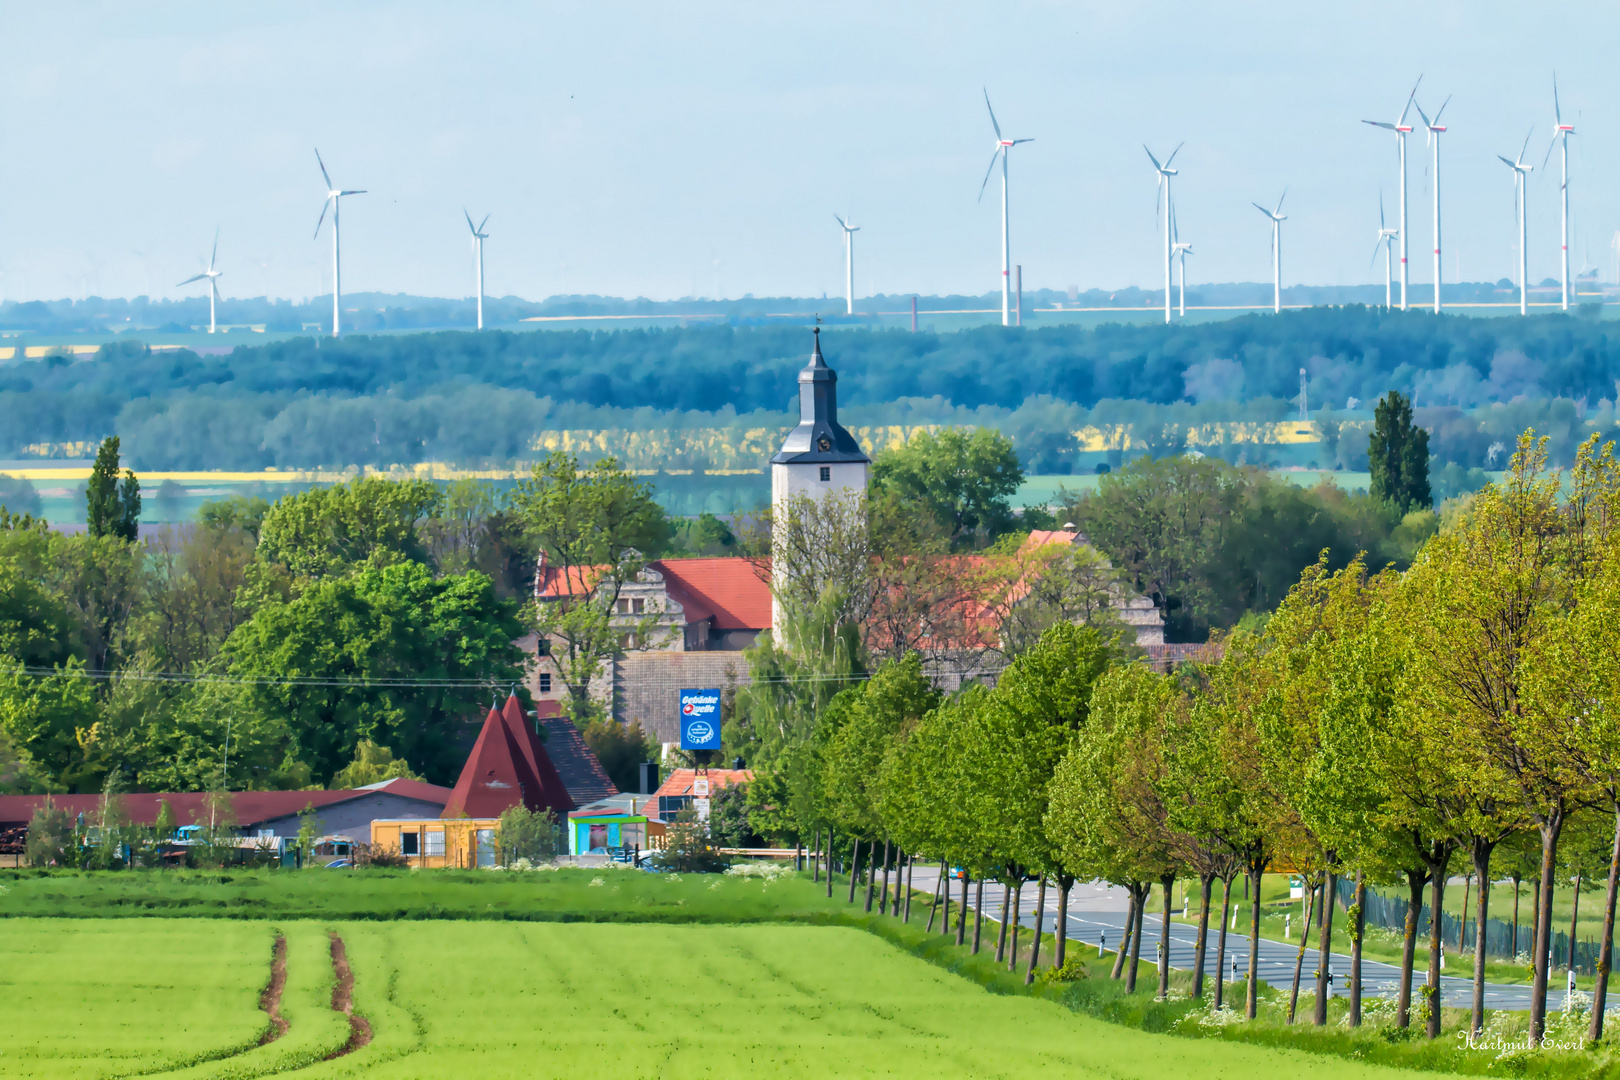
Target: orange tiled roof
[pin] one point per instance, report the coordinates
(679, 782)
(729, 589)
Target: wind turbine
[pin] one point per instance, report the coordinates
(1181, 251)
(1435, 131)
(1401, 129)
(1562, 132)
(1386, 239)
(333, 198)
(479, 236)
(213, 282)
(1277, 218)
(1003, 146)
(1521, 172)
(1165, 173)
(849, 263)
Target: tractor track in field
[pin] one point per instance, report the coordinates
(270, 998)
(343, 1001)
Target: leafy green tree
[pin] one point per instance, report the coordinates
(388, 654)
(245, 512)
(112, 508)
(372, 764)
(330, 530)
(966, 480)
(54, 720)
(1398, 454)
(621, 748)
(522, 833)
(593, 528)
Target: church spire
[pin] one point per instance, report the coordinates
(819, 438)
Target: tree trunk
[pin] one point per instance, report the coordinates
(1017, 906)
(815, 859)
(1206, 886)
(961, 912)
(978, 913)
(1065, 883)
(945, 894)
(911, 862)
(933, 905)
(883, 901)
(1415, 880)
(1600, 987)
(1167, 884)
(1324, 954)
(1462, 928)
(1040, 919)
(1480, 851)
(1136, 938)
(1001, 937)
(827, 857)
(1220, 947)
(1358, 923)
(1125, 938)
(1437, 946)
(871, 872)
(1550, 831)
(854, 867)
(1299, 957)
(1252, 993)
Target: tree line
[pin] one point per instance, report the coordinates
(464, 397)
(1389, 727)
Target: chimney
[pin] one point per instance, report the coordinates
(649, 777)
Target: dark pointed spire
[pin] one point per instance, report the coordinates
(819, 439)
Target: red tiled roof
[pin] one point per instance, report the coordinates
(680, 781)
(582, 774)
(729, 589)
(497, 777)
(191, 807)
(411, 789)
(534, 754)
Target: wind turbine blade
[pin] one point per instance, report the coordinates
(481, 224)
(1280, 202)
(1153, 159)
(1158, 192)
(215, 254)
(1015, 142)
(1506, 162)
(1548, 155)
(1262, 209)
(322, 164)
(361, 191)
(326, 205)
(1558, 117)
(214, 284)
(840, 221)
(1410, 98)
(1173, 154)
(1374, 260)
(189, 280)
(992, 114)
(1442, 109)
(469, 221)
(987, 173)
(1380, 211)
(1379, 123)
(1420, 113)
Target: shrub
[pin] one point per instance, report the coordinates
(688, 848)
(50, 835)
(525, 834)
(379, 856)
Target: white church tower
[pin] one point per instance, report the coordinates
(819, 457)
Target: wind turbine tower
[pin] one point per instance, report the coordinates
(849, 260)
(1386, 240)
(333, 198)
(1401, 129)
(478, 238)
(1277, 218)
(1181, 250)
(1561, 133)
(213, 282)
(1521, 173)
(1165, 173)
(1003, 146)
(1435, 131)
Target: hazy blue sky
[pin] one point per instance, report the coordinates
(672, 149)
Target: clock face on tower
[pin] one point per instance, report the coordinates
(824, 444)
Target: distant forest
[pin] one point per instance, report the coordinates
(472, 398)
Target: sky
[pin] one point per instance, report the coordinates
(690, 149)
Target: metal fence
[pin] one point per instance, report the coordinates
(1389, 912)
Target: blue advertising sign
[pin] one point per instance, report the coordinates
(700, 719)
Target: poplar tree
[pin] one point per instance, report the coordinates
(112, 507)
(1398, 456)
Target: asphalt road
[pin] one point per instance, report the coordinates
(1096, 918)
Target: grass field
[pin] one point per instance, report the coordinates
(492, 1000)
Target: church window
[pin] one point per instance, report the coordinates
(545, 682)
(826, 472)
(638, 606)
(624, 607)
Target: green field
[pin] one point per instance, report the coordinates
(98, 999)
